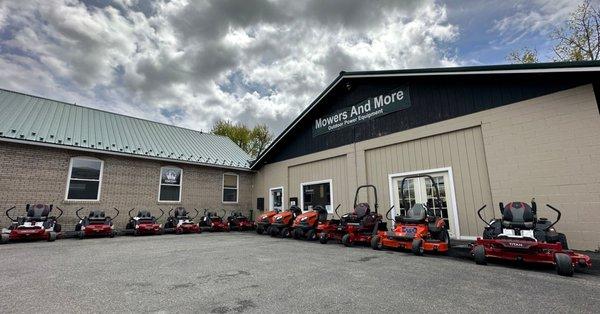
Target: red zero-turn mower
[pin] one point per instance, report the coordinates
(264, 221)
(237, 221)
(212, 222)
(305, 226)
(96, 224)
(180, 221)
(358, 226)
(144, 223)
(521, 236)
(283, 221)
(37, 225)
(419, 230)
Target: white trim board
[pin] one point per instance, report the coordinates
(67, 199)
(160, 184)
(237, 188)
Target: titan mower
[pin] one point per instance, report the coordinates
(523, 237)
(144, 223)
(264, 221)
(95, 224)
(212, 222)
(282, 222)
(420, 230)
(238, 221)
(358, 226)
(306, 225)
(36, 225)
(181, 222)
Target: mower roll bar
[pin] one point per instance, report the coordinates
(366, 186)
(437, 198)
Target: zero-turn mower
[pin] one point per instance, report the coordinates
(36, 225)
(181, 222)
(95, 224)
(238, 221)
(144, 223)
(211, 221)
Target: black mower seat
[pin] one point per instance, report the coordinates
(38, 211)
(181, 213)
(362, 209)
(322, 213)
(517, 215)
(145, 215)
(417, 214)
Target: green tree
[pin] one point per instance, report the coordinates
(252, 141)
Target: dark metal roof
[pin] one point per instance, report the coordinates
(36, 120)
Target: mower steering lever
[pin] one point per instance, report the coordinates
(388, 212)
(116, 211)
(162, 212)
(129, 213)
(197, 212)
(7, 215)
(557, 217)
(479, 214)
(61, 212)
(336, 210)
(77, 213)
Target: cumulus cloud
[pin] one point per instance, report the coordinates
(192, 62)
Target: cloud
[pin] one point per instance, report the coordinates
(193, 62)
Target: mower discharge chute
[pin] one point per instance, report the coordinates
(264, 221)
(180, 222)
(523, 237)
(238, 221)
(420, 229)
(211, 221)
(95, 224)
(306, 225)
(36, 225)
(282, 222)
(144, 223)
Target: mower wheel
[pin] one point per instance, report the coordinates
(4, 238)
(296, 234)
(81, 235)
(323, 239)
(112, 234)
(273, 231)
(285, 233)
(479, 255)
(346, 240)
(57, 227)
(564, 267)
(52, 236)
(177, 231)
(260, 230)
(376, 243)
(417, 247)
(311, 235)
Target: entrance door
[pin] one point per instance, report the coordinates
(276, 199)
(421, 190)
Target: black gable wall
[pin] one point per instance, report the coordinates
(433, 99)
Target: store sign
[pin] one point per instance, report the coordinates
(170, 176)
(365, 110)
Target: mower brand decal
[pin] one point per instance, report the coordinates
(370, 108)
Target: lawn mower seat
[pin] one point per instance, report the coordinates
(97, 216)
(362, 209)
(415, 214)
(145, 215)
(517, 215)
(38, 212)
(181, 213)
(322, 213)
(296, 211)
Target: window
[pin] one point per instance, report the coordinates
(170, 184)
(317, 193)
(230, 188)
(85, 178)
(276, 198)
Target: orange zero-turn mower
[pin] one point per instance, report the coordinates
(283, 222)
(420, 229)
(264, 221)
(305, 225)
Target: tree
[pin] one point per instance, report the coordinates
(524, 55)
(252, 141)
(577, 40)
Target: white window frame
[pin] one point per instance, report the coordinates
(271, 201)
(69, 179)
(330, 181)
(160, 183)
(455, 223)
(237, 188)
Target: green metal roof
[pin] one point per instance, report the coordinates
(44, 121)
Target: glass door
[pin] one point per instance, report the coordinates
(276, 199)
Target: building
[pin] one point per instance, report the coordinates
(71, 156)
(486, 134)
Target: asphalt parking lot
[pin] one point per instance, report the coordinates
(235, 272)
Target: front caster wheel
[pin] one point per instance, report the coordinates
(323, 239)
(346, 240)
(564, 267)
(417, 247)
(376, 243)
(479, 255)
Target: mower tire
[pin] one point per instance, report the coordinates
(346, 240)
(297, 234)
(80, 235)
(479, 255)
(311, 235)
(285, 233)
(376, 243)
(57, 227)
(260, 230)
(112, 234)
(52, 236)
(564, 267)
(323, 239)
(4, 238)
(417, 247)
(274, 232)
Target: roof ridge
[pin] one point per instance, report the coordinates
(110, 112)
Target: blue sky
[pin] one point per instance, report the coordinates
(190, 63)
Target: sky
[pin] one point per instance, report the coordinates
(190, 63)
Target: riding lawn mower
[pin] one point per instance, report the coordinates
(95, 224)
(306, 225)
(282, 222)
(211, 221)
(144, 223)
(264, 221)
(36, 225)
(523, 237)
(180, 221)
(238, 221)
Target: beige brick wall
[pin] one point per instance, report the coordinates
(34, 174)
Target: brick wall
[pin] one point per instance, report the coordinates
(35, 174)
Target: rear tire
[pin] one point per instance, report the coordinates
(81, 235)
(346, 240)
(376, 243)
(297, 234)
(112, 234)
(57, 227)
(479, 255)
(417, 247)
(260, 230)
(4, 238)
(311, 235)
(274, 232)
(52, 236)
(323, 239)
(285, 233)
(564, 267)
